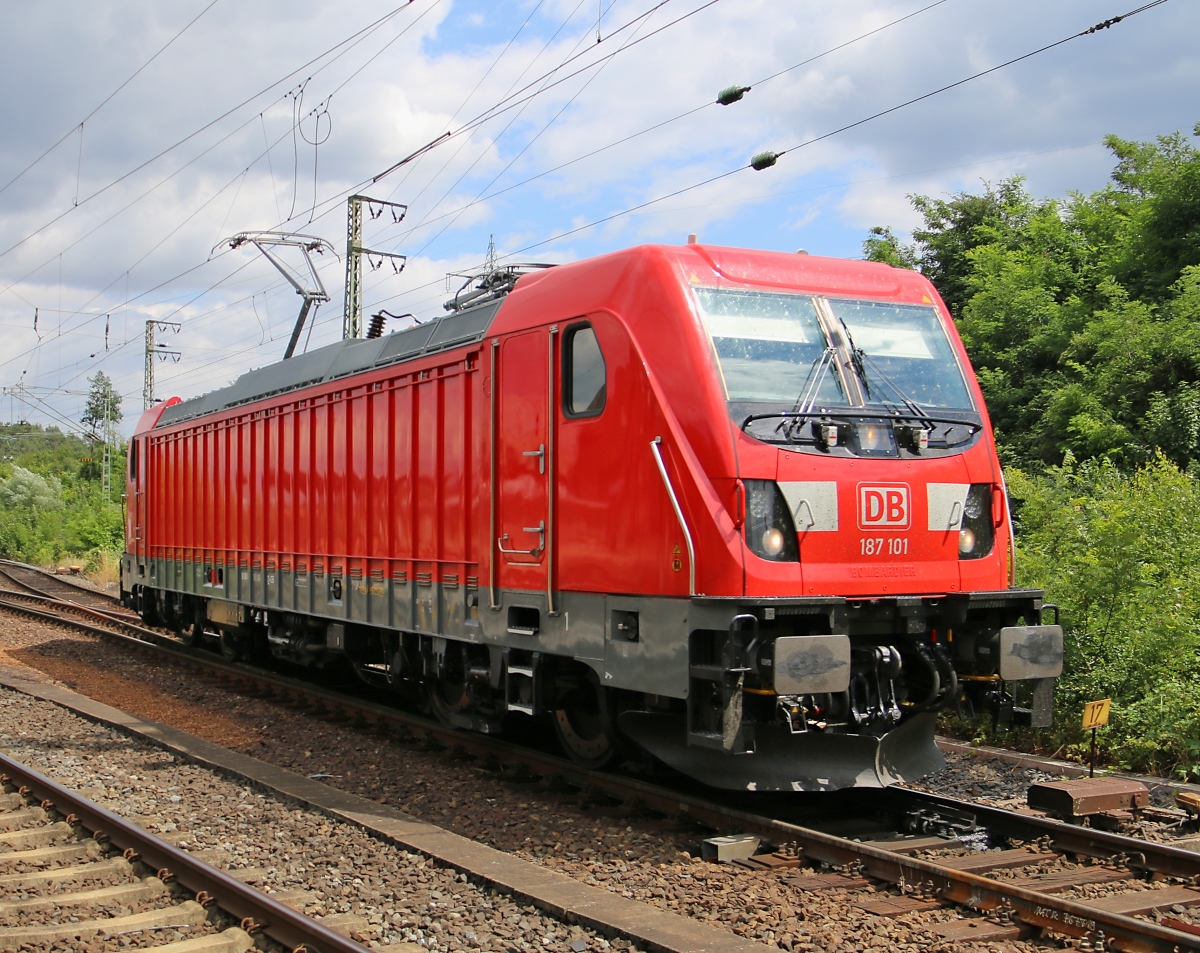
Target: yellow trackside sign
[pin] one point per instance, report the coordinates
(1095, 714)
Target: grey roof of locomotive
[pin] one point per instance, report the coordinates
(339, 360)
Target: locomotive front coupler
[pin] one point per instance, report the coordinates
(1003, 701)
(790, 710)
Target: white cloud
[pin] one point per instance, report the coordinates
(1134, 80)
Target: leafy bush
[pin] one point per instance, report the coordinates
(1081, 316)
(1120, 553)
(51, 507)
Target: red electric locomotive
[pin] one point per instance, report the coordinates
(740, 510)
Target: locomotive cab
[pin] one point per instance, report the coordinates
(877, 545)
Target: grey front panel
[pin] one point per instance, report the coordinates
(1031, 651)
(574, 630)
(657, 662)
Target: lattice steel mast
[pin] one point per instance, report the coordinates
(352, 322)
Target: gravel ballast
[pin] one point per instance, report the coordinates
(633, 856)
(371, 890)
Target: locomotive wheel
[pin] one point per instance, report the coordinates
(449, 699)
(190, 625)
(584, 726)
(231, 647)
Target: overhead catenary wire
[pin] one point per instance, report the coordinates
(574, 96)
(658, 125)
(762, 196)
(511, 103)
(129, 205)
(355, 37)
(767, 158)
(1105, 25)
(329, 203)
(352, 40)
(412, 200)
(78, 127)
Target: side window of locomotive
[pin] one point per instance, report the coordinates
(584, 384)
(133, 459)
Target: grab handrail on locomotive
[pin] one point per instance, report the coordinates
(740, 511)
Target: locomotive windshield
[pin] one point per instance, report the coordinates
(905, 353)
(793, 349)
(770, 347)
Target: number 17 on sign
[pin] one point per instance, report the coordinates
(1095, 715)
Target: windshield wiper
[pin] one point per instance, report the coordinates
(859, 358)
(915, 408)
(856, 358)
(808, 396)
(813, 382)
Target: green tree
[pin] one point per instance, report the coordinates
(103, 403)
(27, 495)
(50, 501)
(952, 228)
(1080, 314)
(1157, 185)
(1120, 553)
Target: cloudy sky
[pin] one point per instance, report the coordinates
(116, 192)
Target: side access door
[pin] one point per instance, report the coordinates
(524, 463)
(136, 503)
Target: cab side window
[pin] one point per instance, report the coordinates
(584, 384)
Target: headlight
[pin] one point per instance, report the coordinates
(772, 541)
(874, 440)
(977, 535)
(871, 437)
(770, 532)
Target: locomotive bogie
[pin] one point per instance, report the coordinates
(678, 501)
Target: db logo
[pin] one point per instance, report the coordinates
(883, 506)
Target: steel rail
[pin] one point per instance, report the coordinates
(6, 564)
(1149, 856)
(256, 911)
(102, 615)
(976, 892)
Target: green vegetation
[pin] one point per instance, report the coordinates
(1120, 553)
(1082, 318)
(52, 509)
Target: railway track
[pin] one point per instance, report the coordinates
(923, 848)
(39, 581)
(74, 873)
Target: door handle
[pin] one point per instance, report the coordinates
(540, 529)
(540, 453)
